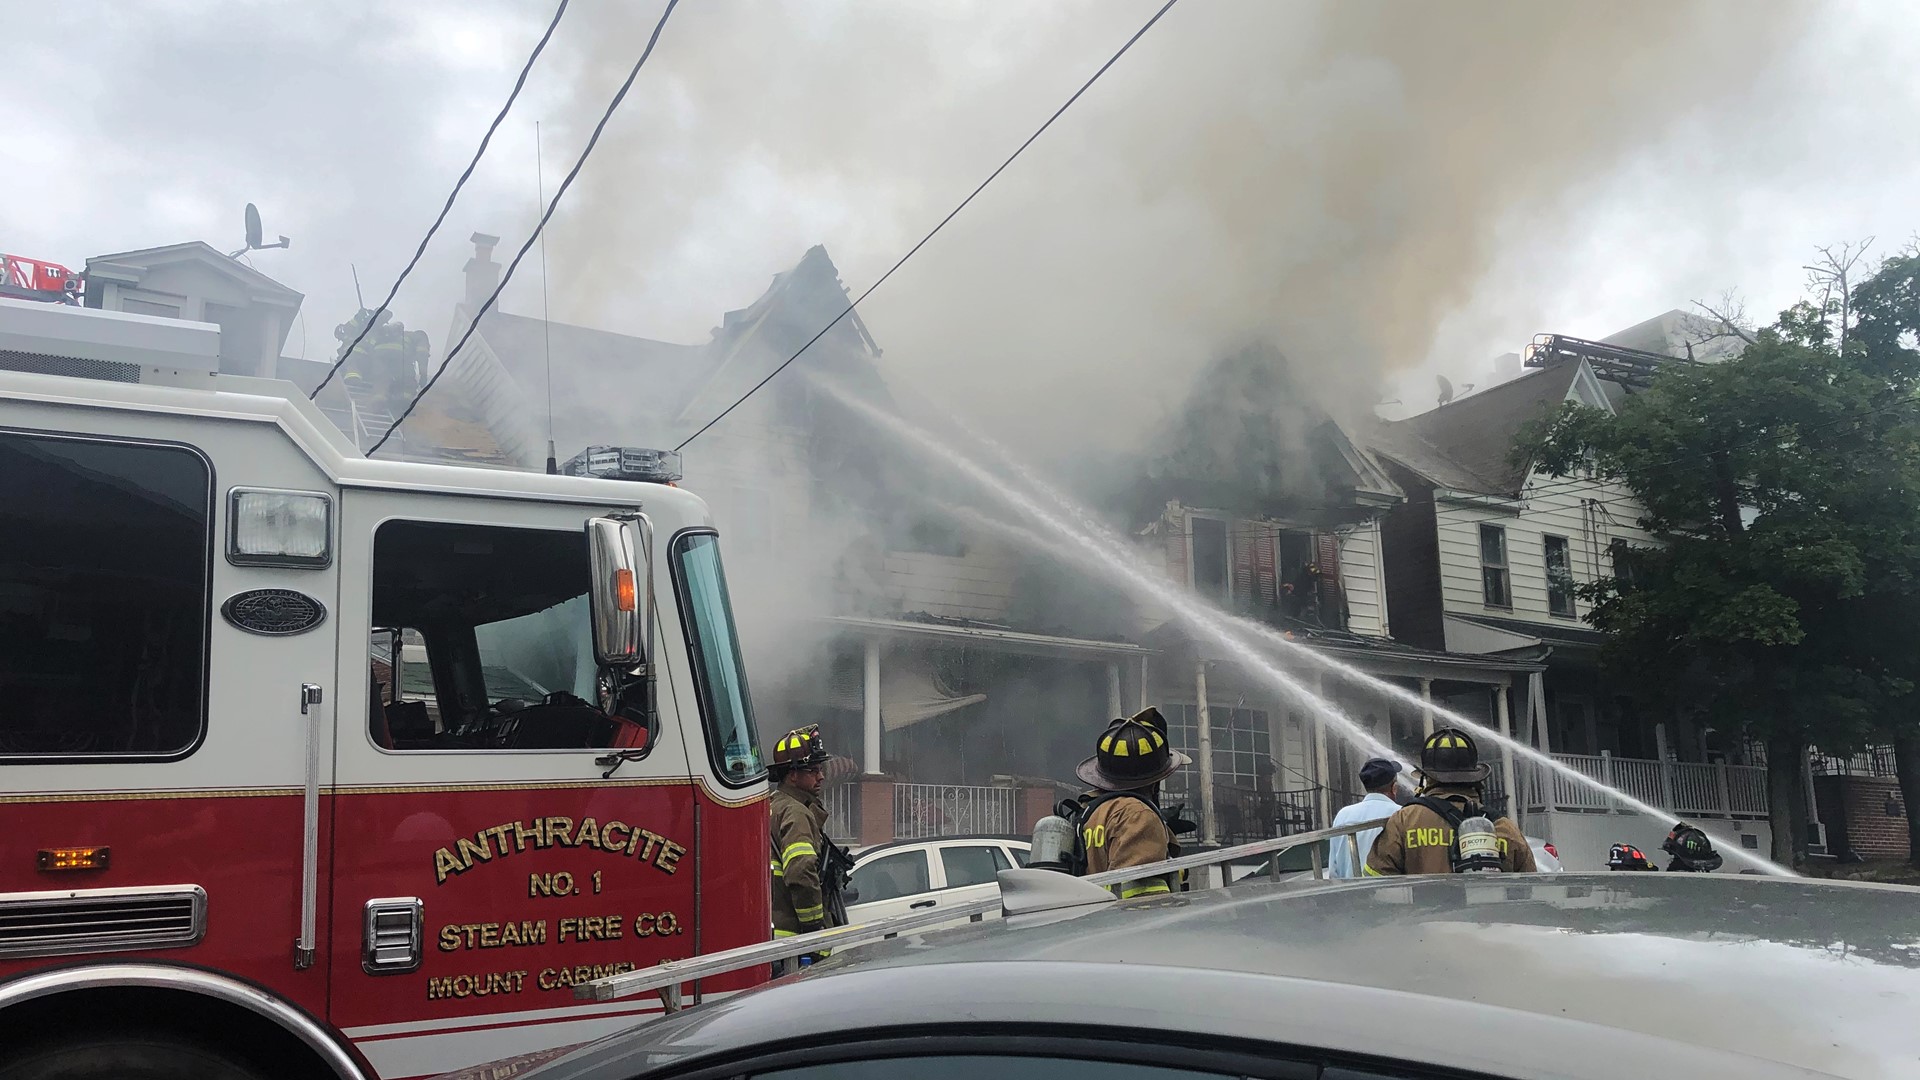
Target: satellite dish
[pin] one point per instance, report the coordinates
(1446, 390)
(255, 237)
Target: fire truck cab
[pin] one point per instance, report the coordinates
(316, 765)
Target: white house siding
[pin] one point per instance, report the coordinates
(1550, 506)
(977, 585)
(504, 405)
(1360, 576)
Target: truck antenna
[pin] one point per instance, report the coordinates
(546, 325)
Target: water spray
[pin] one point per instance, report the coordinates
(1084, 534)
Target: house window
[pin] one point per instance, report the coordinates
(1559, 576)
(1495, 585)
(1242, 750)
(1625, 570)
(1212, 572)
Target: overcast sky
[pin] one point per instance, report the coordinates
(1387, 191)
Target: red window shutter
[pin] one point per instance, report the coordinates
(1265, 563)
(1326, 558)
(1243, 569)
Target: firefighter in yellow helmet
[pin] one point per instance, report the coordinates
(1420, 837)
(1122, 824)
(797, 822)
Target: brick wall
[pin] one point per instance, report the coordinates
(1854, 809)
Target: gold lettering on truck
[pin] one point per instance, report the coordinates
(612, 837)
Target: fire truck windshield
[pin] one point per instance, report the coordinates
(725, 704)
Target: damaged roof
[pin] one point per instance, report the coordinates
(604, 383)
(1467, 445)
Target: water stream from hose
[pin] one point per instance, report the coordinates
(1084, 539)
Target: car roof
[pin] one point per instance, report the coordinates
(1574, 975)
(932, 841)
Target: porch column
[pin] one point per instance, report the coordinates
(1537, 705)
(1505, 713)
(1426, 710)
(1537, 701)
(1113, 690)
(1143, 684)
(1324, 796)
(1208, 832)
(1813, 805)
(870, 708)
(1666, 766)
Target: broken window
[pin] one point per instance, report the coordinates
(1212, 572)
(1495, 585)
(1559, 576)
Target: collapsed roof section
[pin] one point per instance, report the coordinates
(1250, 439)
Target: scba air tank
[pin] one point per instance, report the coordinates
(1478, 847)
(1052, 843)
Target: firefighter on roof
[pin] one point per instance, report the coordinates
(1420, 837)
(797, 822)
(1123, 825)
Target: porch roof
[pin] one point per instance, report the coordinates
(1013, 640)
(1380, 657)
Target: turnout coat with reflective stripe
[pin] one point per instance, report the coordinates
(1126, 832)
(798, 827)
(1416, 840)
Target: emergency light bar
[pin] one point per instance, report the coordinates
(625, 463)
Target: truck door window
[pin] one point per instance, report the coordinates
(725, 705)
(104, 564)
(500, 618)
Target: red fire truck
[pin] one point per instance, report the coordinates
(323, 766)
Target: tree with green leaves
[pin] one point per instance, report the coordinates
(1785, 484)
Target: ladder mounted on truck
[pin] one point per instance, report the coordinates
(1022, 891)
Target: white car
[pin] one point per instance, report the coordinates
(921, 875)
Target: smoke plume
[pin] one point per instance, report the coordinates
(1332, 177)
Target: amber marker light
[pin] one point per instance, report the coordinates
(53, 860)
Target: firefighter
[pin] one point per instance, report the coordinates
(1123, 825)
(1691, 849)
(797, 824)
(1419, 837)
(1628, 857)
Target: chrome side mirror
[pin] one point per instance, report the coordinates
(620, 614)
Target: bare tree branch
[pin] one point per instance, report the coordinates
(1832, 275)
(1730, 314)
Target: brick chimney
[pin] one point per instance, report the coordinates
(483, 274)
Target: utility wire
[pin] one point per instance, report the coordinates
(558, 194)
(848, 310)
(538, 48)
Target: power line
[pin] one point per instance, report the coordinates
(848, 310)
(538, 48)
(558, 194)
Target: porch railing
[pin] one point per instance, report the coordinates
(1685, 788)
(843, 813)
(928, 810)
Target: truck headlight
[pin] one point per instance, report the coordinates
(279, 528)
